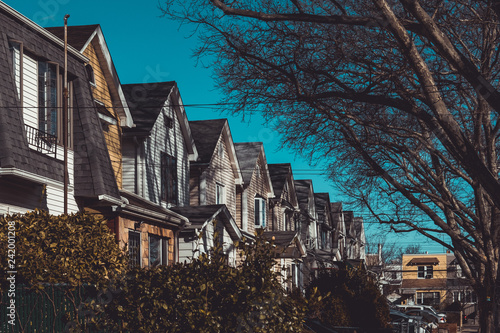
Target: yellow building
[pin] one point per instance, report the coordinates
(425, 278)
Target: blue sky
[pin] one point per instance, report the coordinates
(146, 47)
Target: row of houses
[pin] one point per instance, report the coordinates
(135, 159)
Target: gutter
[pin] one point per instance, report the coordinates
(15, 172)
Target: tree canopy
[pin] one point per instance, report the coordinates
(399, 97)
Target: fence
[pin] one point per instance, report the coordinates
(55, 308)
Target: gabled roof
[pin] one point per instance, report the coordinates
(199, 216)
(303, 189)
(206, 134)
(285, 241)
(29, 24)
(322, 200)
(248, 154)
(279, 175)
(82, 36)
(78, 36)
(145, 103)
(349, 220)
(336, 207)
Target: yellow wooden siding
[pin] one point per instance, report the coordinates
(112, 132)
(411, 272)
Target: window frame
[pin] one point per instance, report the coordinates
(48, 105)
(220, 194)
(169, 179)
(18, 63)
(425, 271)
(260, 213)
(131, 255)
(434, 300)
(163, 243)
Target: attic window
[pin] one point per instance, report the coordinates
(220, 150)
(90, 74)
(169, 122)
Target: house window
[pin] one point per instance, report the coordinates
(39, 88)
(158, 250)
(285, 220)
(47, 97)
(428, 298)
(90, 74)
(134, 248)
(425, 272)
(220, 195)
(169, 179)
(220, 150)
(464, 296)
(260, 212)
(324, 239)
(168, 121)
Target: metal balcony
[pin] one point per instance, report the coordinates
(40, 141)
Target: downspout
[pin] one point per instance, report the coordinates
(136, 166)
(65, 116)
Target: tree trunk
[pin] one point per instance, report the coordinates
(486, 299)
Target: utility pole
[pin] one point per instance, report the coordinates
(65, 114)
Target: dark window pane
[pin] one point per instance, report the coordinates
(154, 250)
(134, 248)
(169, 178)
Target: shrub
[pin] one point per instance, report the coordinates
(205, 295)
(70, 249)
(351, 298)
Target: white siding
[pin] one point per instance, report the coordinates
(171, 142)
(55, 192)
(30, 91)
(128, 162)
(17, 68)
(11, 209)
(185, 250)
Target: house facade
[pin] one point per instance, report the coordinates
(325, 253)
(339, 232)
(156, 156)
(284, 206)
(31, 124)
(307, 228)
(425, 278)
(252, 198)
(215, 178)
(283, 226)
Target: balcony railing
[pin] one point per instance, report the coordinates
(40, 141)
